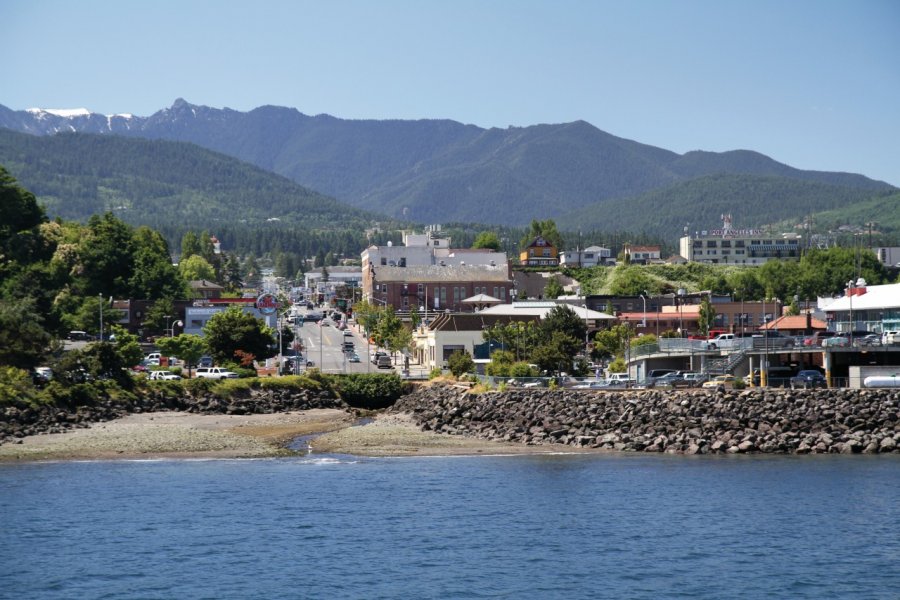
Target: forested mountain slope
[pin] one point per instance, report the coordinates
(438, 170)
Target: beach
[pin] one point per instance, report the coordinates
(189, 435)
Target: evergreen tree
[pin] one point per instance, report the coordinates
(190, 245)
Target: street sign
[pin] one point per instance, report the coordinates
(267, 304)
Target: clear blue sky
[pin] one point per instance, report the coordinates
(811, 83)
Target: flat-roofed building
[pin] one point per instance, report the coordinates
(739, 246)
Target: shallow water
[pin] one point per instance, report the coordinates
(564, 526)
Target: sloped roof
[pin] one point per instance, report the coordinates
(794, 322)
(482, 299)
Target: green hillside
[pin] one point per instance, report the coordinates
(176, 186)
(753, 201)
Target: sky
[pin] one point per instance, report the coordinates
(814, 84)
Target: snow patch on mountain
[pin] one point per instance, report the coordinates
(61, 112)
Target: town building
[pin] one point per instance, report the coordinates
(739, 246)
(433, 343)
(426, 273)
(539, 253)
(591, 256)
(641, 255)
(438, 287)
(317, 280)
(873, 308)
(888, 256)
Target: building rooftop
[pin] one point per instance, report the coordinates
(438, 273)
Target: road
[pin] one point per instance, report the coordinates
(323, 345)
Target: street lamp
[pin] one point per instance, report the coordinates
(644, 314)
(101, 316)
(850, 298)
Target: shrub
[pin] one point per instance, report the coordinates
(369, 390)
(16, 386)
(739, 383)
(435, 373)
(522, 369)
(460, 363)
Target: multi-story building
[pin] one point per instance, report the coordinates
(425, 272)
(539, 253)
(888, 256)
(739, 246)
(438, 287)
(348, 276)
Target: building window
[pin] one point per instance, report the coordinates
(383, 261)
(711, 244)
(503, 293)
(726, 243)
(420, 289)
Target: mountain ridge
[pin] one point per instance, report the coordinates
(438, 170)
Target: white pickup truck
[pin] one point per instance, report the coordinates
(215, 373)
(723, 341)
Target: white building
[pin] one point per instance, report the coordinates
(349, 276)
(589, 257)
(889, 256)
(739, 246)
(874, 308)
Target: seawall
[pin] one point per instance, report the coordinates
(671, 421)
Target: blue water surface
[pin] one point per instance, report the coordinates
(593, 526)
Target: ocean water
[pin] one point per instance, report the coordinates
(568, 527)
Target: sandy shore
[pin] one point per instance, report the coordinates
(188, 435)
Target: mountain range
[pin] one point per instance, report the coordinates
(433, 171)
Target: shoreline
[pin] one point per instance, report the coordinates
(181, 435)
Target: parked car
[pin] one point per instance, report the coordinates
(619, 380)
(772, 339)
(348, 333)
(890, 337)
(163, 376)
(837, 341)
(720, 382)
(79, 336)
(205, 361)
(817, 338)
(384, 362)
(690, 380)
(669, 379)
(808, 379)
(376, 355)
(215, 373)
(591, 385)
(870, 339)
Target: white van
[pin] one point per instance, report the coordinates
(890, 337)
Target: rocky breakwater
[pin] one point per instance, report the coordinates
(19, 421)
(681, 422)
